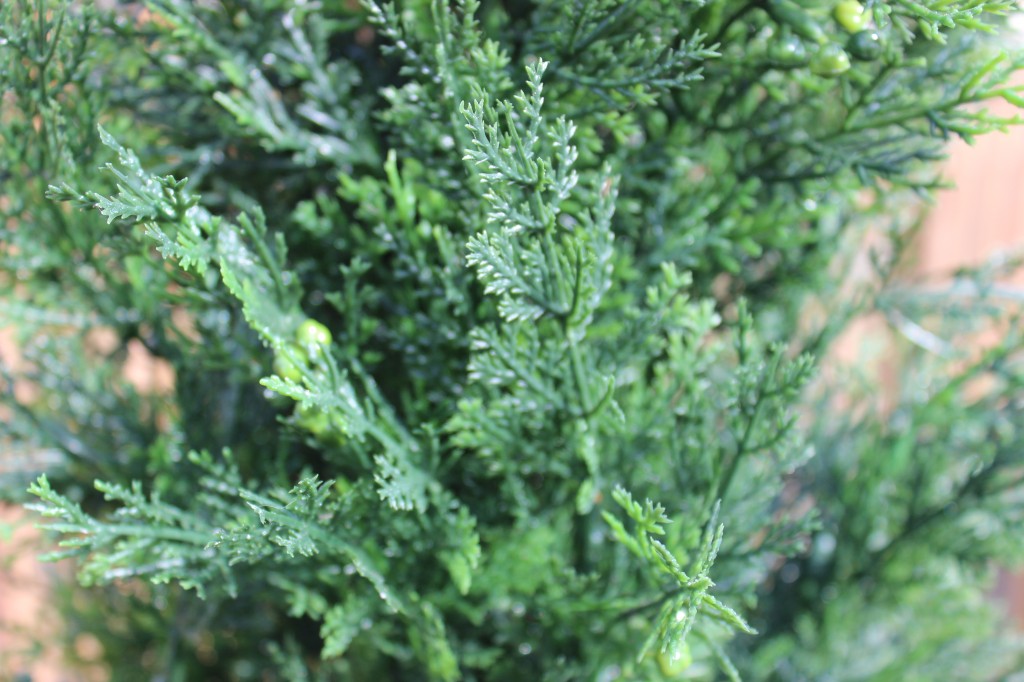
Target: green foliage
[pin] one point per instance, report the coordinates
(439, 283)
(681, 607)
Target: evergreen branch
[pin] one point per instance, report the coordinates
(156, 540)
(680, 606)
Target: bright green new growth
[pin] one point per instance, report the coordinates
(448, 287)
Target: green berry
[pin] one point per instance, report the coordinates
(313, 337)
(674, 661)
(787, 51)
(865, 45)
(285, 367)
(321, 426)
(830, 61)
(851, 15)
(313, 419)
